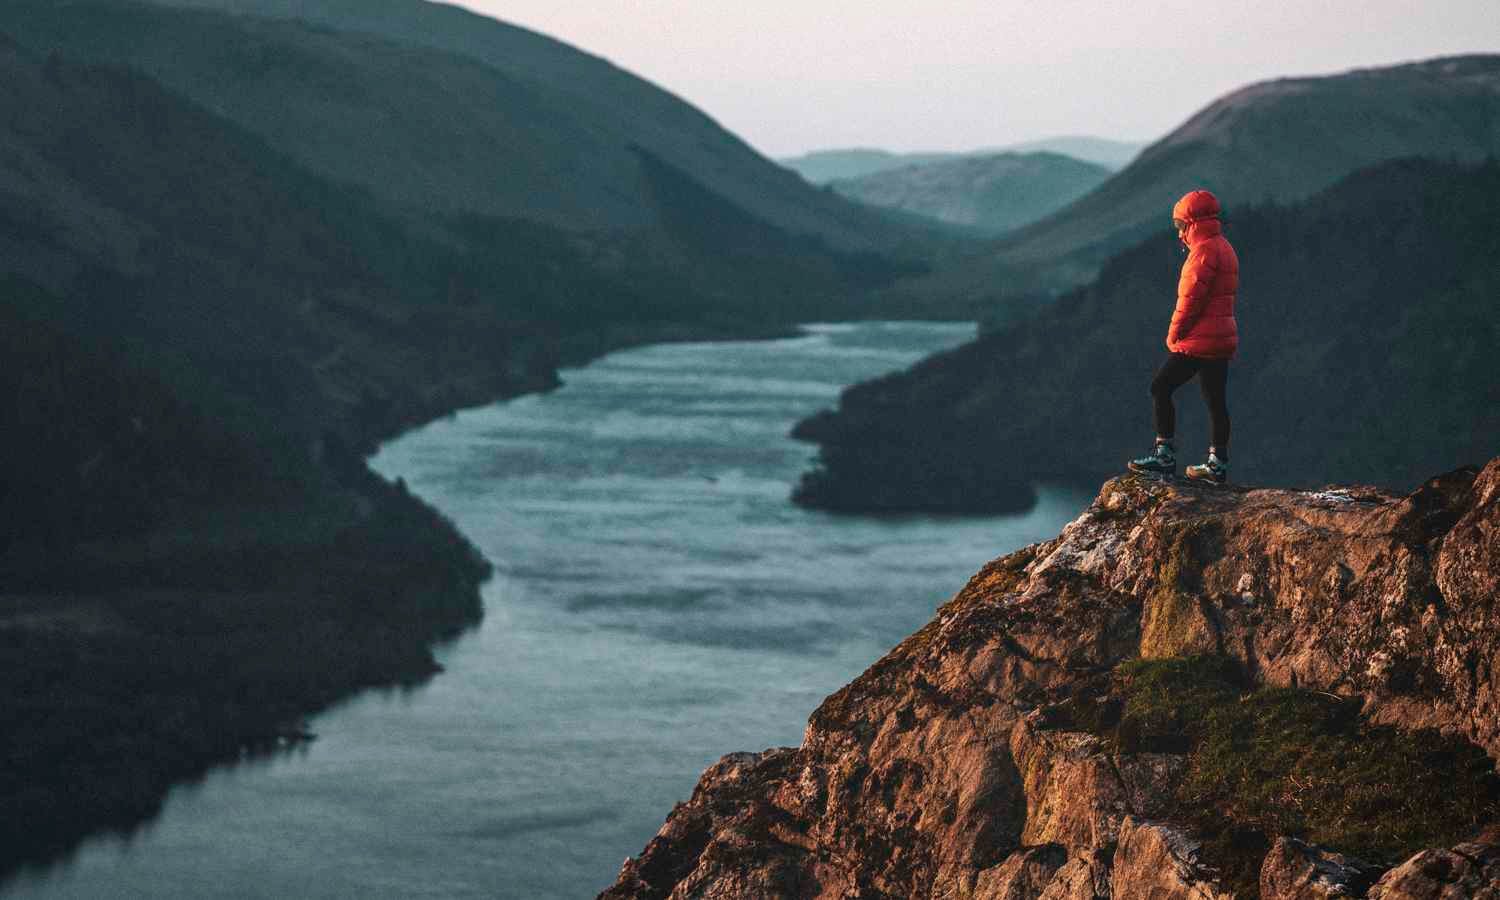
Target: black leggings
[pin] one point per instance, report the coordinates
(1212, 377)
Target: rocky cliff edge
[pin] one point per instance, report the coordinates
(1191, 692)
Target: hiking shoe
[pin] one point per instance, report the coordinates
(1161, 461)
(1214, 471)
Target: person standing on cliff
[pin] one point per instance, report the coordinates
(1201, 340)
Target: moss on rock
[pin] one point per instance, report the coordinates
(1175, 620)
(1274, 761)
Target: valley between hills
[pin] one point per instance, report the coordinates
(241, 243)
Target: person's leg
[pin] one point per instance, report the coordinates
(1173, 374)
(1213, 379)
(1162, 460)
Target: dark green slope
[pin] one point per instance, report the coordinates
(1368, 327)
(437, 108)
(162, 228)
(423, 130)
(197, 338)
(621, 110)
(438, 137)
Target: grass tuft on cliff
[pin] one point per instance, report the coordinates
(1268, 761)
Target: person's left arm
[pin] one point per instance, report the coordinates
(1192, 293)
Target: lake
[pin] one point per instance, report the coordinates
(658, 602)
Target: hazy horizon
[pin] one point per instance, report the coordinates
(967, 74)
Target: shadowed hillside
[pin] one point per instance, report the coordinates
(1367, 328)
(197, 249)
(435, 108)
(509, 125)
(198, 335)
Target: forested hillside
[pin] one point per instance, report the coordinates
(436, 109)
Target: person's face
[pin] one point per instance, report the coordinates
(1181, 227)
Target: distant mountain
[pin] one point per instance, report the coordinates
(1275, 140)
(1368, 327)
(993, 194)
(1110, 154)
(823, 166)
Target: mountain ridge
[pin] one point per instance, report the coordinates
(821, 166)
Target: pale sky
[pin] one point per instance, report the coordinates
(795, 75)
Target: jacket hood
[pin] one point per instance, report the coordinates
(1196, 205)
(1200, 209)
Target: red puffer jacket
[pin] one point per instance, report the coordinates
(1203, 322)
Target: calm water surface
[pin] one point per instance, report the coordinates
(657, 603)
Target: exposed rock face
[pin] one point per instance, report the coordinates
(935, 774)
(1155, 861)
(1469, 871)
(1025, 873)
(1295, 870)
